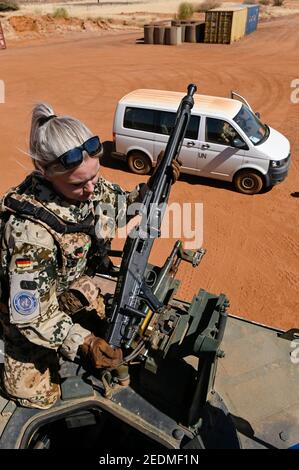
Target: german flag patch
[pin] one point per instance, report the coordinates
(24, 263)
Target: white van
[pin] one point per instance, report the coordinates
(225, 139)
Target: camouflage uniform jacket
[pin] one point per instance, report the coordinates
(38, 263)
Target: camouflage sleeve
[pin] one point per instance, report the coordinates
(33, 304)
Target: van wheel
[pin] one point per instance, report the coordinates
(139, 163)
(248, 182)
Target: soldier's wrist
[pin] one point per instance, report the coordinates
(74, 339)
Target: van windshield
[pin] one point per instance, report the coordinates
(255, 130)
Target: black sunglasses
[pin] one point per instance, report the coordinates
(74, 157)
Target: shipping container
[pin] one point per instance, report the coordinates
(225, 25)
(211, 21)
(252, 18)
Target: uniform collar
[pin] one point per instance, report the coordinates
(43, 192)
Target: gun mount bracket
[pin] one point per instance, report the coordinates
(191, 256)
(112, 384)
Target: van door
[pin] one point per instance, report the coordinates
(189, 151)
(218, 157)
(235, 96)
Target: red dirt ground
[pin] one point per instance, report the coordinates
(252, 242)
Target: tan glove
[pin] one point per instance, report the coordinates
(100, 353)
(176, 169)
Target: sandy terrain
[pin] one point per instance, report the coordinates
(252, 242)
(35, 19)
(127, 8)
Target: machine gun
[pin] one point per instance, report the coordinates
(143, 316)
(132, 294)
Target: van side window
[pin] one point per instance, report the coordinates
(220, 132)
(139, 118)
(166, 122)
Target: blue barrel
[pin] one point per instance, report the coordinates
(252, 18)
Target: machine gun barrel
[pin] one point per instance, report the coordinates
(132, 295)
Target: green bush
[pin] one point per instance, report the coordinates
(185, 11)
(8, 5)
(278, 3)
(264, 2)
(60, 13)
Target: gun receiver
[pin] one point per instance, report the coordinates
(132, 296)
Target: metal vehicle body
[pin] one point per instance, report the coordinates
(176, 400)
(251, 402)
(251, 154)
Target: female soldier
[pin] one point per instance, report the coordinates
(48, 244)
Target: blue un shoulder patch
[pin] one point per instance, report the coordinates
(25, 303)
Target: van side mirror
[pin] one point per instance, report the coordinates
(258, 115)
(239, 144)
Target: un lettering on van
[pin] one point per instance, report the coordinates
(2, 92)
(295, 92)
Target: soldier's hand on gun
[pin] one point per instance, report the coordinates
(100, 353)
(176, 170)
(175, 166)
